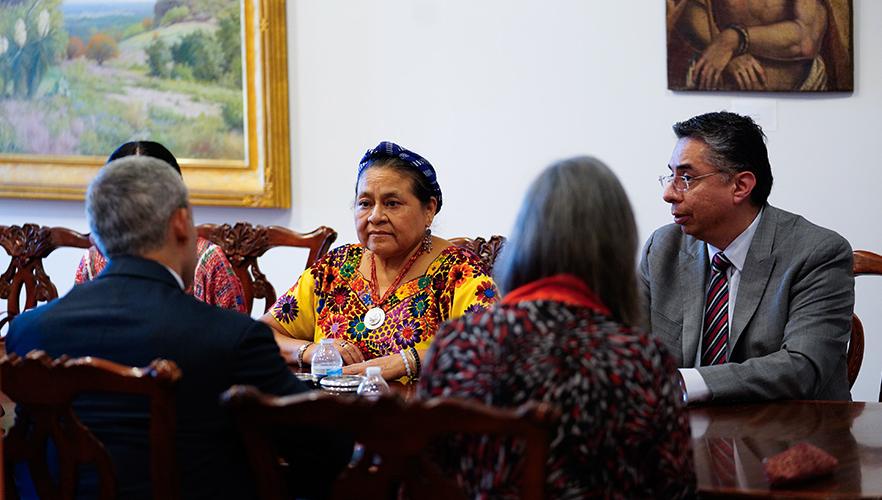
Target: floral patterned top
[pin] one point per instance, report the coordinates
(215, 282)
(331, 298)
(623, 432)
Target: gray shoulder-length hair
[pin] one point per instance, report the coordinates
(130, 202)
(576, 219)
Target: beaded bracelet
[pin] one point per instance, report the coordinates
(743, 38)
(418, 368)
(300, 352)
(406, 364)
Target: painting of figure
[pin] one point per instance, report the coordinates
(760, 45)
(80, 77)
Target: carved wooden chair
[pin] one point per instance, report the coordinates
(28, 245)
(399, 434)
(243, 243)
(44, 390)
(864, 263)
(487, 250)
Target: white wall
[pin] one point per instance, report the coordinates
(492, 91)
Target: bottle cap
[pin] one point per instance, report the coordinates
(373, 370)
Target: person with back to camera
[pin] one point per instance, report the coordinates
(565, 334)
(382, 299)
(136, 311)
(215, 283)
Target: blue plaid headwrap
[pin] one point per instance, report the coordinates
(387, 149)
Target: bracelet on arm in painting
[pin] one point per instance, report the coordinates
(418, 367)
(300, 352)
(406, 364)
(743, 38)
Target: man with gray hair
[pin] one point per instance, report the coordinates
(136, 311)
(754, 302)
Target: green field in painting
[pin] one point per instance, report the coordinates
(85, 106)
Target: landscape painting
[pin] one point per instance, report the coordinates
(80, 77)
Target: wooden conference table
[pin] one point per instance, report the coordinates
(852, 432)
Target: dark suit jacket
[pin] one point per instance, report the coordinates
(792, 319)
(133, 313)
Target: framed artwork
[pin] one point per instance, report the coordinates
(206, 78)
(753, 45)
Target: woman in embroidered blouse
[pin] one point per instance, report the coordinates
(382, 299)
(215, 282)
(563, 334)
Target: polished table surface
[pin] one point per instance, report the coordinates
(852, 432)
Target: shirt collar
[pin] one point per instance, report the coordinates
(175, 275)
(736, 252)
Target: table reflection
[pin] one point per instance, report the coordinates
(730, 443)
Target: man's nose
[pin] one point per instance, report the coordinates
(671, 195)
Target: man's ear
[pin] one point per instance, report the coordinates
(179, 225)
(744, 182)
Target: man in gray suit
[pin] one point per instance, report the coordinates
(754, 302)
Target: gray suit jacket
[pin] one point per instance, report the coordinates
(792, 318)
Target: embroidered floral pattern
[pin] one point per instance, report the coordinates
(486, 293)
(285, 309)
(340, 297)
(334, 325)
(419, 304)
(357, 329)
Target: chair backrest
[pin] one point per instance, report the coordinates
(399, 433)
(486, 250)
(28, 245)
(44, 390)
(864, 263)
(243, 243)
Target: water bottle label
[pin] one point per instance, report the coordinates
(334, 371)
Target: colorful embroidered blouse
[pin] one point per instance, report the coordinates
(623, 431)
(215, 281)
(331, 298)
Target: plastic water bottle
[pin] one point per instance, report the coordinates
(326, 360)
(373, 384)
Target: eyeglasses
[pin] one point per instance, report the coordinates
(681, 182)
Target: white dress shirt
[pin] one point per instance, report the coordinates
(736, 252)
(175, 275)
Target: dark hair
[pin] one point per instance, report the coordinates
(145, 148)
(419, 185)
(737, 145)
(576, 219)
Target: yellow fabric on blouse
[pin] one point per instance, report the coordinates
(331, 298)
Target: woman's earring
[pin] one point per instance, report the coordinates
(427, 241)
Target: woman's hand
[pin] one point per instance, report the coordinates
(348, 351)
(391, 367)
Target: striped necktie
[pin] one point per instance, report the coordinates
(715, 341)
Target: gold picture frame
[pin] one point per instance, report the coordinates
(261, 179)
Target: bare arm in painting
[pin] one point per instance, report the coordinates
(782, 39)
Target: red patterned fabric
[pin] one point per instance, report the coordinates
(215, 281)
(798, 463)
(624, 432)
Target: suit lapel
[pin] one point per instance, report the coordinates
(755, 275)
(693, 274)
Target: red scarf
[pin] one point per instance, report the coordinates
(564, 288)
